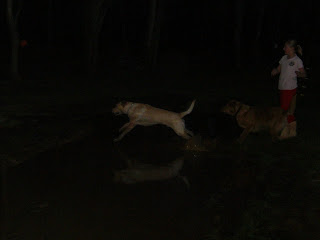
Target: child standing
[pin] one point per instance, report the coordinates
(290, 67)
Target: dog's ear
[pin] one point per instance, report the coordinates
(233, 104)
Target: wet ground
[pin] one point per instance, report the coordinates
(261, 190)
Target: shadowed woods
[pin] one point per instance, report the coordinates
(65, 64)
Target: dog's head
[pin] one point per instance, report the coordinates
(231, 108)
(119, 108)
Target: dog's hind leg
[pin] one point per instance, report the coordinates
(183, 134)
(189, 132)
(180, 130)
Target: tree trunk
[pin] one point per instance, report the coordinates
(50, 23)
(157, 34)
(260, 19)
(311, 35)
(124, 31)
(4, 200)
(12, 21)
(239, 13)
(96, 11)
(259, 31)
(153, 39)
(152, 18)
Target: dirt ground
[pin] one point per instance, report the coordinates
(64, 190)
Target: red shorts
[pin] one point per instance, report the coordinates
(285, 100)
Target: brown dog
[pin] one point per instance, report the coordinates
(255, 119)
(146, 115)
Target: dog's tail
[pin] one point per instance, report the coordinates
(182, 114)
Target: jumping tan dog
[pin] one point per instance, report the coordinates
(255, 119)
(146, 115)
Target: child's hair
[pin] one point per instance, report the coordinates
(293, 43)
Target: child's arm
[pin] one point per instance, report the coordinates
(276, 71)
(301, 73)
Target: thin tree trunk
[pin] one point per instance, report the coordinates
(260, 19)
(96, 12)
(50, 23)
(157, 34)
(310, 36)
(152, 19)
(4, 200)
(124, 32)
(239, 13)
(259, 31)
(12, 21)
(222, 33)
(153, 39)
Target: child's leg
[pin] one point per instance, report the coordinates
(288, 102)
(285, 99)
(292, 107)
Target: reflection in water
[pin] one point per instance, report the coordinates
(136, 171)
(140, 172)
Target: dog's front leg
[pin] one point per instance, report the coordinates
(127, 129)
(244, 134)
(124, 126)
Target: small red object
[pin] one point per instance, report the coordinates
(23, 43)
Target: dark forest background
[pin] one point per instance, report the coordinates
(95, 35)
(57, 157)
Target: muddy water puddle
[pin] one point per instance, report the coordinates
(69, 193)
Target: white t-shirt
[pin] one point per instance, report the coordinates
(288, 77)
